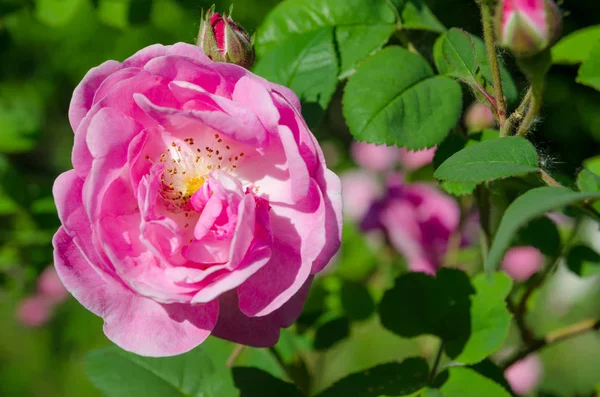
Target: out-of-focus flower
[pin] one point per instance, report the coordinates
(223, 40)
(520, 263)
(413, 160)
(35, 311)
(373, 157)
(49, 284)
(479, 117)
(359, 190)
(199, 203)
(419, 221)
(527, 27)
(524, 376)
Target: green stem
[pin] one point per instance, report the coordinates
(490, 44)
(532, 112)
(436, 363)
(235, 354)
(517, 115)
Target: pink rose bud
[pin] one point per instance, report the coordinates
(527, 27)
(49, 284)
(524, 376)
(479, 117)
(373, 157)
(520, 263)
(199, 203)
(413, 160)
(35, 310)
(223, 40)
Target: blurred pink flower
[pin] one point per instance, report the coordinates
(524, 376)
(520, 263)
(199, 203)
(359, 190)
(418, 219)
(49, 284)
(413, 160)
(479, 117)
(34, 311)
(373, 157)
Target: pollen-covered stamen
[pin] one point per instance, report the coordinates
(188, 162)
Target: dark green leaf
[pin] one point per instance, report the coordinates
(534, 203)
(394, 98)
(415, 14)
(117, 373)
(541, 233)
(331, 332)
(357, 301)
(490, 320)
(306, 64)
(21, 116)
(490, 370)
(583, 261)
(489, 160)
(361, 26)
(394, 379)
(465, 382)
(576, 47)
(464, 57)
(438, 306)
(254, 382)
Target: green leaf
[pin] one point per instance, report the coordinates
(533, 204)
(361, 26)
(56, 13)
(587, 181)
(463, 56)
(438, 306)
(543, 234)
(21, 115)
(394, 379)
(428, 392)
(489, 160)
(394, 98)
(589, 72)
(490, 319)
(415, 14)
(465, 382)
(357, 301)
(458, 188)
(117, 373)
(577, 46)
(583, 261)
(331, 333)
(306, 64)
(254, 382)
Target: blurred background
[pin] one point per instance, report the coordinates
(46, 47)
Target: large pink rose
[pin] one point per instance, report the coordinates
(199, 203)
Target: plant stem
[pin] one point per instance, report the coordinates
(532, 112)
(517, 115)
(235, 354)
(291, 372)
(548, 179)
(490, 44)
(436, 363)
(555, 337)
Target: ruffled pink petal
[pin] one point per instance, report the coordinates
(185, 69)
(251, 94)
(134, 323)
(83, 96)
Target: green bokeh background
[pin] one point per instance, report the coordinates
(46, 47)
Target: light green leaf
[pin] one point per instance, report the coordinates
(394, 379)
(489, 160)
(361, 26)
(534, 203)
(463, 56)
(308, 65)
(394, 98)
(577, 46)
(117, 373)
(464, 382)
(415, 14)
(589, 72)
(428, 392)
(56, 13)
(490, 319)
(458, 188)
(587, 181)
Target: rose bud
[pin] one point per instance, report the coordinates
(373, 157)
(520, 263)
(479, 117)
(223, 40)
(199, 203)
(524, 376)
(414, 159)
(35, 311)
(49, 285)
(527, 27)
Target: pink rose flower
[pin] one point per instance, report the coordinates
(49, 285)
(413, 160)
(35, 311)
(524, 376)
(479, 117)
(373, 157)
(419, 221)
(359, 190)
(199, 203)
(520, 263)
